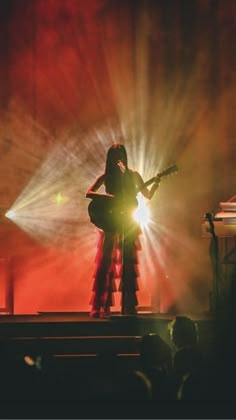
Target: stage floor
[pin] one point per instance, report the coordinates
(41, 317)
(78, 332)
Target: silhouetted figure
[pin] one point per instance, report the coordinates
(156, 361)
(184, 334)
(188, 359)
(118, 242)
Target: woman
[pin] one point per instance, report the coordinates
(118, 232)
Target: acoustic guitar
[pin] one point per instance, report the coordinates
(107, 212)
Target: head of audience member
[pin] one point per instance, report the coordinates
(184, 332)
(155, 352)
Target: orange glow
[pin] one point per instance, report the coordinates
(87, 73)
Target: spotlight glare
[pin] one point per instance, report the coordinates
(142, 213)
(10, 214)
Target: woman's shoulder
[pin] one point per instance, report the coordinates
(137, 180)
(135, 174)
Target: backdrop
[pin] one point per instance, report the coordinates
(77, 76)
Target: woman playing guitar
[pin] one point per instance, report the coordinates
(118, 232)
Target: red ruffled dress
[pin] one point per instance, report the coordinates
(117, 258)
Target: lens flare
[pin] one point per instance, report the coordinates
(59, 198)
(142, 213)
(10, 214)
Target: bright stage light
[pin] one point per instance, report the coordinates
(52, 208)
(142, 213)
(10, 214)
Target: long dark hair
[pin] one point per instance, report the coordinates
(113, 174)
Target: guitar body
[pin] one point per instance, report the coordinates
(108, 214)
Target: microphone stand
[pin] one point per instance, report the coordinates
(214, 254)
(123, 280)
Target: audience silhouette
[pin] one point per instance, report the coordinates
(168, 374)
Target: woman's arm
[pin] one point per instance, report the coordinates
(95, 186)
(92, 191)
(145, 191)
(150, 193)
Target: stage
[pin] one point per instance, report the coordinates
(76, 357)
(75, 334)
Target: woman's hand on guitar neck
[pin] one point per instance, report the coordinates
(157, 180)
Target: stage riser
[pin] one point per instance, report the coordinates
(85, 338)
(75, 346)
(118, 327)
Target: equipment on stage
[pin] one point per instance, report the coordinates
(108, 213)
(224, 221)
(221, 228)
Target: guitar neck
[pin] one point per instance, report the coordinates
(168, 171)
(150, 181)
